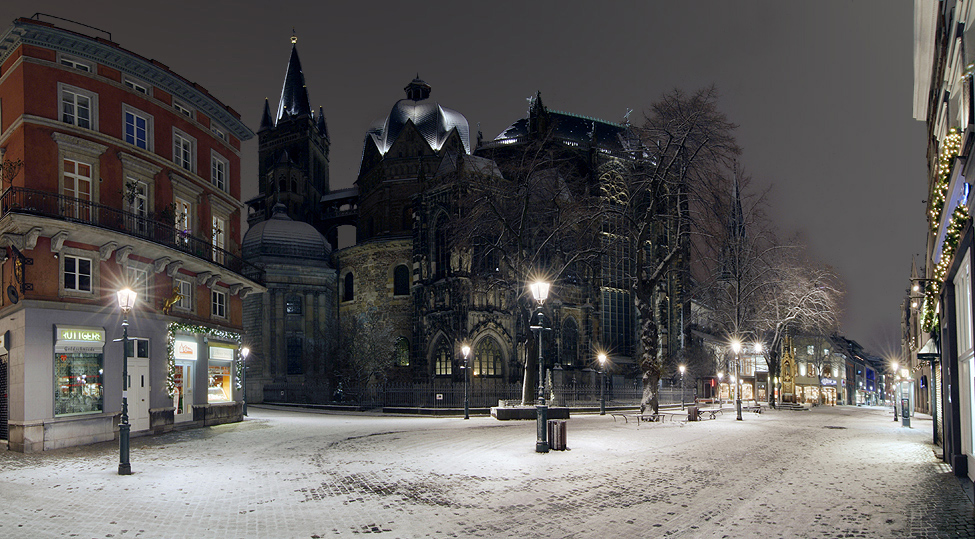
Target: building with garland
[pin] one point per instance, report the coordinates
(407, 276)
(938, 323)
(117, 172)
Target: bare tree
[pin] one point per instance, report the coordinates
(685, 141)
(367, 346)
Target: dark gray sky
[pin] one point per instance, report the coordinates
(822, 92)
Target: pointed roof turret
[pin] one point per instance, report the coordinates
(294, 95)
(266, 121)
(322, 127)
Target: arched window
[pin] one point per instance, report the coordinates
(402, 352)
(443, 362)
(487, 358)
(282, 186)
(407, 218)
(347, 290)
(570, 342)
(441, 256)
(401, 280)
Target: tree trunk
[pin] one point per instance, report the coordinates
(649, 363)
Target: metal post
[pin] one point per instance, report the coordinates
(124, 467)
(467, 413)
(244, 352)
(602, 392)
(541, 444)
(682, 390)
(738, 386)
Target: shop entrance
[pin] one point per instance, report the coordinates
(183, 397)
(4, 399)
(139, 394)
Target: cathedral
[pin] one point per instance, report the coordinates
(417, 285)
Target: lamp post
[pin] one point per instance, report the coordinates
(759, 347)
(894, 378)
(466, 350)
(682, 368)
(602, 383)
(736, 346)
(244, 352)
(126, 299)
(539, 291)
(720, 375)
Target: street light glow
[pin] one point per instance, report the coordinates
(736, 345)
(759, 348)
(602, 358)
(126, 299)
(682, 369)
(540, 291)
(466, 350)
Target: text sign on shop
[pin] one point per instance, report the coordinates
(184, 349)
(76, 339)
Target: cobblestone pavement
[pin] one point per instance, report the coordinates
(827, 473)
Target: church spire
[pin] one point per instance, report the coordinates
(266, 121)
(322, 127)
(294, 95)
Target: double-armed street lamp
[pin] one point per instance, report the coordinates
(602, 383)
(539, 291)
(244, 352)
(466, 350)
(126, 300)
(682, 369)
(736, 346)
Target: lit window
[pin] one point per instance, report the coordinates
(444, 359)
(293, 305)
(487, 359)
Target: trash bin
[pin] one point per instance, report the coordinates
(556, 434)
(692, 413)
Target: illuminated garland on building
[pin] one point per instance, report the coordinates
(959, 219)
(176, 327)
(949, 151)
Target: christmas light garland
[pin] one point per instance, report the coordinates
(175, 327)
(949, 151)
(959, 219)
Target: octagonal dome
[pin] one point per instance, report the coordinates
(431, 119)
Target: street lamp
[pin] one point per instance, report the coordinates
(539, 291)
(466, 350)
(602, 383)
(894, 378)
(244, 352)
(126, 299)
(682, 368)
(736, 346)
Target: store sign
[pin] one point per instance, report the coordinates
(76, 339)
(184, 349)
(221, 353)
(827, 381)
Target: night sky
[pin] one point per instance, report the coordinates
(822, 92)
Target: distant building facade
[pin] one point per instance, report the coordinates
(117, 173)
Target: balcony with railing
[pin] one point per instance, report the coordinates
(21, 200)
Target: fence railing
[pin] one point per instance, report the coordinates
(65, 208)
(483, 394)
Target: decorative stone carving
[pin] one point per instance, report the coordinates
(105, 251)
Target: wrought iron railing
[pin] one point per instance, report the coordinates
(35, 202)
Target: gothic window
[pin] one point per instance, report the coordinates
(441, 256)
(570, 342)
(401, 280)
(487, 358)
(347, 290)
(443, 360)
(402, 352)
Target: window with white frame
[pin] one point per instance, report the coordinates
(138, 280)
(137, 127)
(218, 237)
(184, 150)
(184, 218)
(963, 305)
(182, 109)
(76, 189)
(76, 273)
(138, 86)
(218, 171)
(78, 107)
(185, 289)
(137, 204)
(219, 131)
(218, 304)
(76, 64)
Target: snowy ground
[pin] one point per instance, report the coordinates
(830, 472)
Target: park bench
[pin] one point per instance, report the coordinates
(710, 412)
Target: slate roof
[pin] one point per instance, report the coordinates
(281, 236)
(431, 119)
